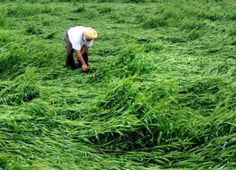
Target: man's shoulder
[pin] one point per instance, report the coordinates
(75, 31)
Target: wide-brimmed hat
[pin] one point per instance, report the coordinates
(90, 33)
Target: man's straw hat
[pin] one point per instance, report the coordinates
(90, 33)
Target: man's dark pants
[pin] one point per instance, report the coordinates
(70, 62)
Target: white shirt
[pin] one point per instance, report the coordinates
(76, 38)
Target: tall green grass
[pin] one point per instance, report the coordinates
(160, 93)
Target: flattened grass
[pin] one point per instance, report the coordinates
(160, 92)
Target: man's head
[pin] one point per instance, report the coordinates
(90, 34)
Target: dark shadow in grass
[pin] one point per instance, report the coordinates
(79, 10)
(73, 18)
(155, 22)
(33, 30)
(50, 35)
(176, 39)
(104, 10)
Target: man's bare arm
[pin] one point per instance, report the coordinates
(80, 58)
(84, 49)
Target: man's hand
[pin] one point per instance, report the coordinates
(80, 58)
(85, 67)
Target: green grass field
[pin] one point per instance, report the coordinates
(160, 94)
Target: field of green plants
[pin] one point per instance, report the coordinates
(160, 93)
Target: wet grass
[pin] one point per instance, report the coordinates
(160, 93)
